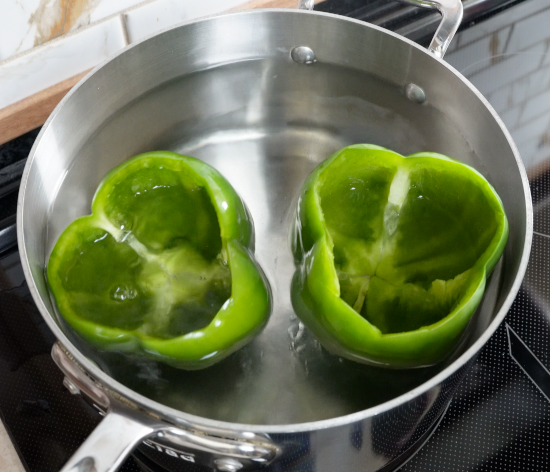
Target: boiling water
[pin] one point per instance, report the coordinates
(265, 126)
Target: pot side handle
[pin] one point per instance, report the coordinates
(111, 441)
(125, 427)
(451, 12)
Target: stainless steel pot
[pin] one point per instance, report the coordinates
(264, 96)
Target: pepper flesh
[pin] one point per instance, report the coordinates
(393, 252)
(163, 266)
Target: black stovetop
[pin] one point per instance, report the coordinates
(499, 418)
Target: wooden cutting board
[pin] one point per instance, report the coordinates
(32, 112)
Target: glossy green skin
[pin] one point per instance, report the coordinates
(393, 252)
(163, 266)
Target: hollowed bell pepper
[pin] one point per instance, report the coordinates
(393, 252)
(163, 266)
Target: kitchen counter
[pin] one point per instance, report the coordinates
(9, 459)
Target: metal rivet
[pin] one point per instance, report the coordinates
(303, 55)
(85, 465)
(70, 386)
(415, 93)
(228, 465)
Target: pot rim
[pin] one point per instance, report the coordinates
(167, 412)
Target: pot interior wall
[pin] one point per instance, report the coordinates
(264, 123)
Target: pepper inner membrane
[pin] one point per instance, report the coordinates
(150, 258)
(406, 235)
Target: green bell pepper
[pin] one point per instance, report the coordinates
(392, 253)
(163, 266)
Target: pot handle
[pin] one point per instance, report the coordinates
(125, 427)
(112, 441)
(451, 11)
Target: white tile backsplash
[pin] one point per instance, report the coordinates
(516, 81)
(536, 106)
(510, 117)
(154, 16)
(501, 100)
(521, 90)
(16, 33)
(64, 57)
(528, 152)
(107, 8)
(510, 69)
(197, 9)
(530, 132)
(497, 22)
(59, 60)
(25, 24)
(34, 68)
(531, 86)
(472, 58)
(530, 31)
